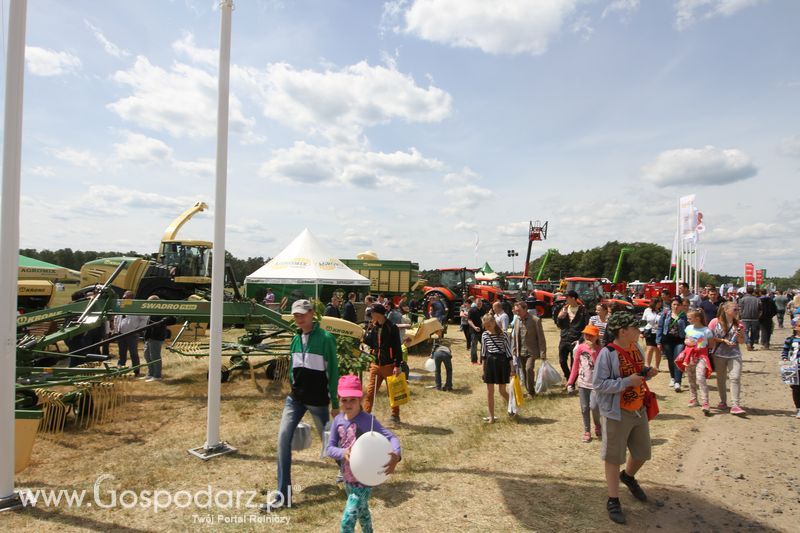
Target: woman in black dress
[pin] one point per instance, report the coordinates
(496, 359)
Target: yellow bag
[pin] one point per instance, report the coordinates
(517, 388)
(398, 390)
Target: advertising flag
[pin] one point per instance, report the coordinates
(749, 273)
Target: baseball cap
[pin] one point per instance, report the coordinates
(302, 307)
(621, 320)
(573, 294)
(349, 387)
(378, 308)
(591, 330)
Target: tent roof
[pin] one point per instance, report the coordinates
(25, 261)
(306, 261)
(487, 272)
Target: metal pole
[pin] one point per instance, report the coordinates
(213, 446)
(9, 244)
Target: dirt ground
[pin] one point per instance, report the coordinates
(718, 473)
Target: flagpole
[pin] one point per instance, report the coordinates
(214, 446)
(9, 246)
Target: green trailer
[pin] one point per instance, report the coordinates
(387, 277)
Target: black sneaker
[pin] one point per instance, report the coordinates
(633, 486)
(394, 419)
(615, 511)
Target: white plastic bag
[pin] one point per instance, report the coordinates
(789, 372)
(512, 403)
(548, 377)
(301, 439)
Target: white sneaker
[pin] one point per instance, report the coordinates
(677, 387)
(798, 413)
(671, 382)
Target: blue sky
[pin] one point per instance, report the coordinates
(408, 127)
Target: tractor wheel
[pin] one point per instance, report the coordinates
(224, 376)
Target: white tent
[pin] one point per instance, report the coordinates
(305, 261)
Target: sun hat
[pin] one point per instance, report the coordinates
(591, 330)
(349, 387)
(302, 307)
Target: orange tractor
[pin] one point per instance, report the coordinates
(455, 284)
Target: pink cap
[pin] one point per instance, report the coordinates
(349, 387)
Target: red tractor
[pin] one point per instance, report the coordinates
(653, 290)
(590, 293)
(457, 283)
(523, 288)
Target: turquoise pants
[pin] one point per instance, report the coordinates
(356, 509)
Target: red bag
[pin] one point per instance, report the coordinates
(650, 403)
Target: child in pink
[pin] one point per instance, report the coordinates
(582, 371)
(694, 361)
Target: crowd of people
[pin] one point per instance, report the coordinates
(599, 354)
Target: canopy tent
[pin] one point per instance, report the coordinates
(487, 273)
(305, 261)
(30, 268)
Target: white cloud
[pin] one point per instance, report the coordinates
(514, 229)
(703, 166)
(339, 104)
(625, 8)
(467, 197)
(687, 12)
(205, 166)
(47, 172)
(756, 232)
(583, 26)
(181, 101)
(140, 149)
(46, 62)
(790, 146)
(186, 46)
(80, 158)
(466, 175)
(110, 48)
(119, 198)
(495, 27)
(336, 165)
(469, 226)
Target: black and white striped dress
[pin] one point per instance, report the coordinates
(496, 356)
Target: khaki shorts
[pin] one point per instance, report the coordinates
(631, 432)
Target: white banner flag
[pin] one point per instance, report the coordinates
(688, 217)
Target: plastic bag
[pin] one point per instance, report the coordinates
(301, 439)
(512, 404)
(789, 372)
(398, 390)
(516, 389)
(548, 377)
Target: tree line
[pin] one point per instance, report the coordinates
(75, 259)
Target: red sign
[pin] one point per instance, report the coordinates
(760, 276)
(749, 273)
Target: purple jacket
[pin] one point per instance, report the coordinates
(344, 434)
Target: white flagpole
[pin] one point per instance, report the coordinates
(9, 245)
(214, 446)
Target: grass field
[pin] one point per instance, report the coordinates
(457, 472)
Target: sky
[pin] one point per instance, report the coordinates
(417, 128)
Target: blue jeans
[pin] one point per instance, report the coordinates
(293, 412)
(751, 331)
(671, 351)
(152, 354)
(129, 345)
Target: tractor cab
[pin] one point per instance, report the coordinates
(189, 261)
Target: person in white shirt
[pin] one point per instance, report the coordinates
(500, 317)
(130, 343)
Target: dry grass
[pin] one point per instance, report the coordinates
(457, 473)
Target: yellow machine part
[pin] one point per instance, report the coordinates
(25, 426)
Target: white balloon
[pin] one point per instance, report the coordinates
(368, 456)
(430, 365)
